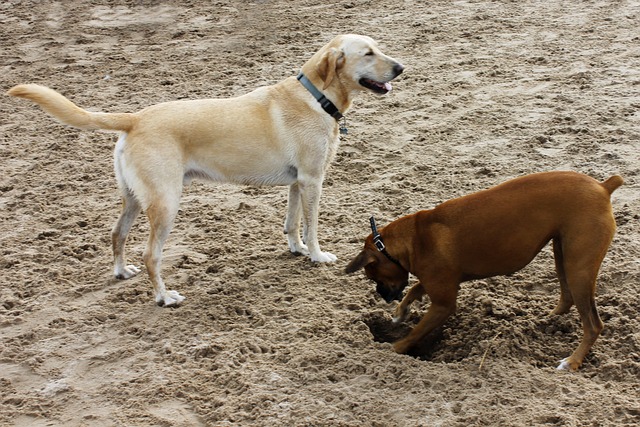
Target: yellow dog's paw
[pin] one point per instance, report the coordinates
(169, 299)
(324, 257)
(298, 248)
(126, 272)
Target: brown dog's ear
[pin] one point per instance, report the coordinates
(363, 259)
(329, 64)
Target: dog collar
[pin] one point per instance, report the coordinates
(379, 244)
(325, 102)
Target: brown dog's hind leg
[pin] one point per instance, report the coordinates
(582, 262)
(443, 304)
(591, 323)
(566, 300)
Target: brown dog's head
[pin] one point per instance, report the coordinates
(390, 278)
(357, 63)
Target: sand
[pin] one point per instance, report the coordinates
(492, 90)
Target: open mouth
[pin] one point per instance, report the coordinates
(375, 86)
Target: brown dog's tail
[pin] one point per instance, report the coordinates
(612, 183)
(69, 113)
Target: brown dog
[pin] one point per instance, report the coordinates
(494, 232)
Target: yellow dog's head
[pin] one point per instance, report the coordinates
(353, 62)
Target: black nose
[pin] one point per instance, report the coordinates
(393, 297)
(388, 294)
(398, 69)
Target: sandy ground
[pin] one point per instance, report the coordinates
(492, 90)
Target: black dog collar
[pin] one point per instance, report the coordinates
(377, 241)
(325, 102)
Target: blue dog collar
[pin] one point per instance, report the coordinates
(325, 102)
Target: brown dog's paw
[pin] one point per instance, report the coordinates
(400, 314)
(568, 365)
(402, 347)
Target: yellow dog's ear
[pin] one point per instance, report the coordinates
(329, 64)
(363, 259)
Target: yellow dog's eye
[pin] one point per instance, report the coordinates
(369, 53)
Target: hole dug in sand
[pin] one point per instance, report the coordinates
(384, 330)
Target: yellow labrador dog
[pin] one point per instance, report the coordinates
(285, 134)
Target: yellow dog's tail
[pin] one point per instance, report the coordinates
(612, 183)
(69, 113)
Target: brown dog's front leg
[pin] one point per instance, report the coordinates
(443, 305)
(415, 293)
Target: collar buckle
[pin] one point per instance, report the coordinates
(379, 244)
(325, 103)
(377, 241)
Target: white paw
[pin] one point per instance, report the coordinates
(299, 248)
(564, 365)
(170, 299)
(127, 272)
(323, 257)
(397, 319)
(399, 315)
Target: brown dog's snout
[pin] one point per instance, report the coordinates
(388, 296)
(388, 293)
